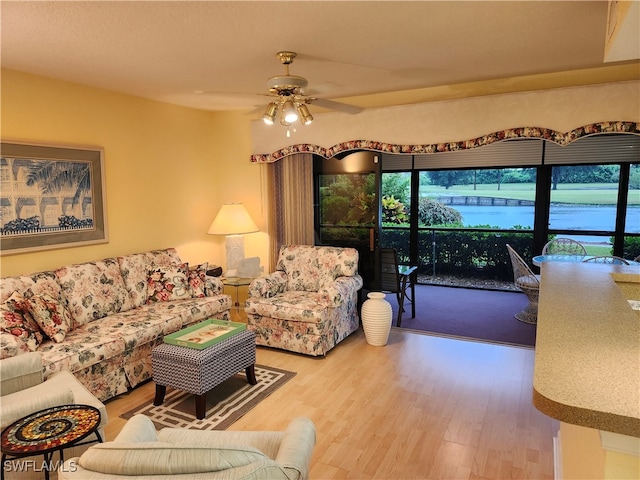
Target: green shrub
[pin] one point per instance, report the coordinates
(432, 213)
(393, 210)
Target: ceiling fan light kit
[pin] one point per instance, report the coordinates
(305, 117)
(270, 113)
(290, 102)
(289, 111)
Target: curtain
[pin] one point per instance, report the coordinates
(290, 186)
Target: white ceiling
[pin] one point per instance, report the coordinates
(169, 50)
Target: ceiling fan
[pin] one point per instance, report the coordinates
(291, 102)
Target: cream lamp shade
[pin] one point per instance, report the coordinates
(234, 221)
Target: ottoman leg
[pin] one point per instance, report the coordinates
(251, 374)
(201, 406)
(160, 391)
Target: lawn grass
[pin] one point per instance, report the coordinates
(575, 193)
(598, 250)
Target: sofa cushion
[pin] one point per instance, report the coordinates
(192, 310)
(161, 458)
(135, 270)
(15, 319)
(292, 305)
(34, 284)
(93, 290)
(51, 316)
(136, 327)
(81, 348)
(167, 283)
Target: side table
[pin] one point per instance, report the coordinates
(237, 282)
(49, 430)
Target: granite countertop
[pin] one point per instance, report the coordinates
(587, 362)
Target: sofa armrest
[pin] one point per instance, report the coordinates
(297, 446)
(11, 346)
(340, 289)
(269, 285)
(20, 372)
(213, 286)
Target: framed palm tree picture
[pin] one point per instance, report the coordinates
(51, 196)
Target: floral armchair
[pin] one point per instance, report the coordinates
(310, 303)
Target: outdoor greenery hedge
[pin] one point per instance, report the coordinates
(463, 253)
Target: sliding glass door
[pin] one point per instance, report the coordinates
(346, 207)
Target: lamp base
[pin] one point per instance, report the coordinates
(234, 245)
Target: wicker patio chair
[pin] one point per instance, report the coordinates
(566, 246)
(607, 259)
(529, 283)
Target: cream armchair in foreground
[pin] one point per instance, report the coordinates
(23, 391)
(174, 453)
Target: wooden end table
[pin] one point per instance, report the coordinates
(49, 430)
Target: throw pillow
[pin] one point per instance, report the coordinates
(197, 280)
(168, 283)
(15, 321)
(52, 317)
(93, 290)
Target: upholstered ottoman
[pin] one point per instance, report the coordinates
(198, 371)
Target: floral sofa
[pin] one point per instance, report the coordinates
(310, 303)
(99, 320)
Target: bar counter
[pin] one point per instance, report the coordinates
(587, 361)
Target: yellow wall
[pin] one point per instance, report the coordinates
(168, 169)
(584, 458)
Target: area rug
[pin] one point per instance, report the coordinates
(226, 403)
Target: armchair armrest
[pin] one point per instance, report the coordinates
(269, 285)
(341, 288)
(20, 372)
(138, 428)
(297, 445)
(24, 402)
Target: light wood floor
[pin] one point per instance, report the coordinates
(421, 407)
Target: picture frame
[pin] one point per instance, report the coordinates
(51, 196)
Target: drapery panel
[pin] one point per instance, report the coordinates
(290, 203)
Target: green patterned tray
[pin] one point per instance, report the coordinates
(205, 334)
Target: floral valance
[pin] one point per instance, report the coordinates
(561, 138)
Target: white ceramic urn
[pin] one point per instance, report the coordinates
(376, 319)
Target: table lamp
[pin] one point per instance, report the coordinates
(234, 221)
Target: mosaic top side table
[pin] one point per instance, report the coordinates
(49, 430)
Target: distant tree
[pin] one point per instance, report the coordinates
(449, 178)
(584, 174)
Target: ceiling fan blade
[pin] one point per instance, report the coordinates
(340, 107)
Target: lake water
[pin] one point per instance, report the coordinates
(560, 218)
